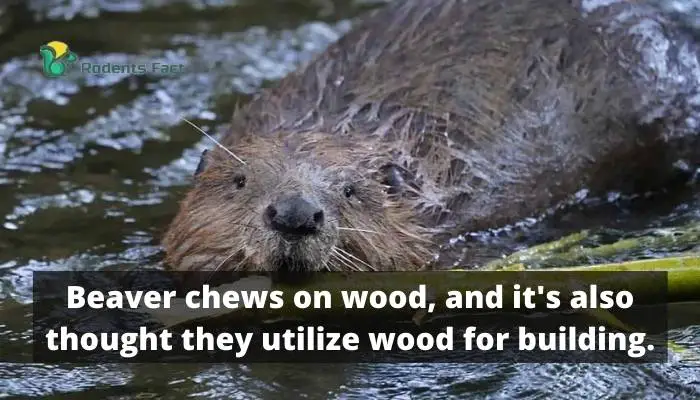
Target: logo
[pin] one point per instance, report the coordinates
(56, 57)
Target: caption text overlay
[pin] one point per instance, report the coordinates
(155, 316)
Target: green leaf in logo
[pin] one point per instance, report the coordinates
(70, 57)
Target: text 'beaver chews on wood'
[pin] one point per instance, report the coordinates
(436, 117)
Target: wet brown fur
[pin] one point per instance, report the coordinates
(495, 110)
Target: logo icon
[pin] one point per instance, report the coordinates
(56, 57)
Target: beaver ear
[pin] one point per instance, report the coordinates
(396, 178)
(203, 162)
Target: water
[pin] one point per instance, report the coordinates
(92, 167)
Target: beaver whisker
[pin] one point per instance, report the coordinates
(348, 263)
(215, 141)
(334, 267)
(348, 254)
(234, 253)
(328, 266)
(222, 263)
(351, 258)
(343, 228)
(256, 228)
(345, 262)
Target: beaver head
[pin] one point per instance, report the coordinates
(296, 202)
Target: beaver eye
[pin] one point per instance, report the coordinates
(203, 161)
(349, 190)
(239, 180)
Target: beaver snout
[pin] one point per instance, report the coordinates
(294, 215)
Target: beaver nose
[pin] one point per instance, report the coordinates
(294, 215)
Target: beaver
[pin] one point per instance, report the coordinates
(436, 117)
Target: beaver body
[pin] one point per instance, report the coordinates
(436, 117)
